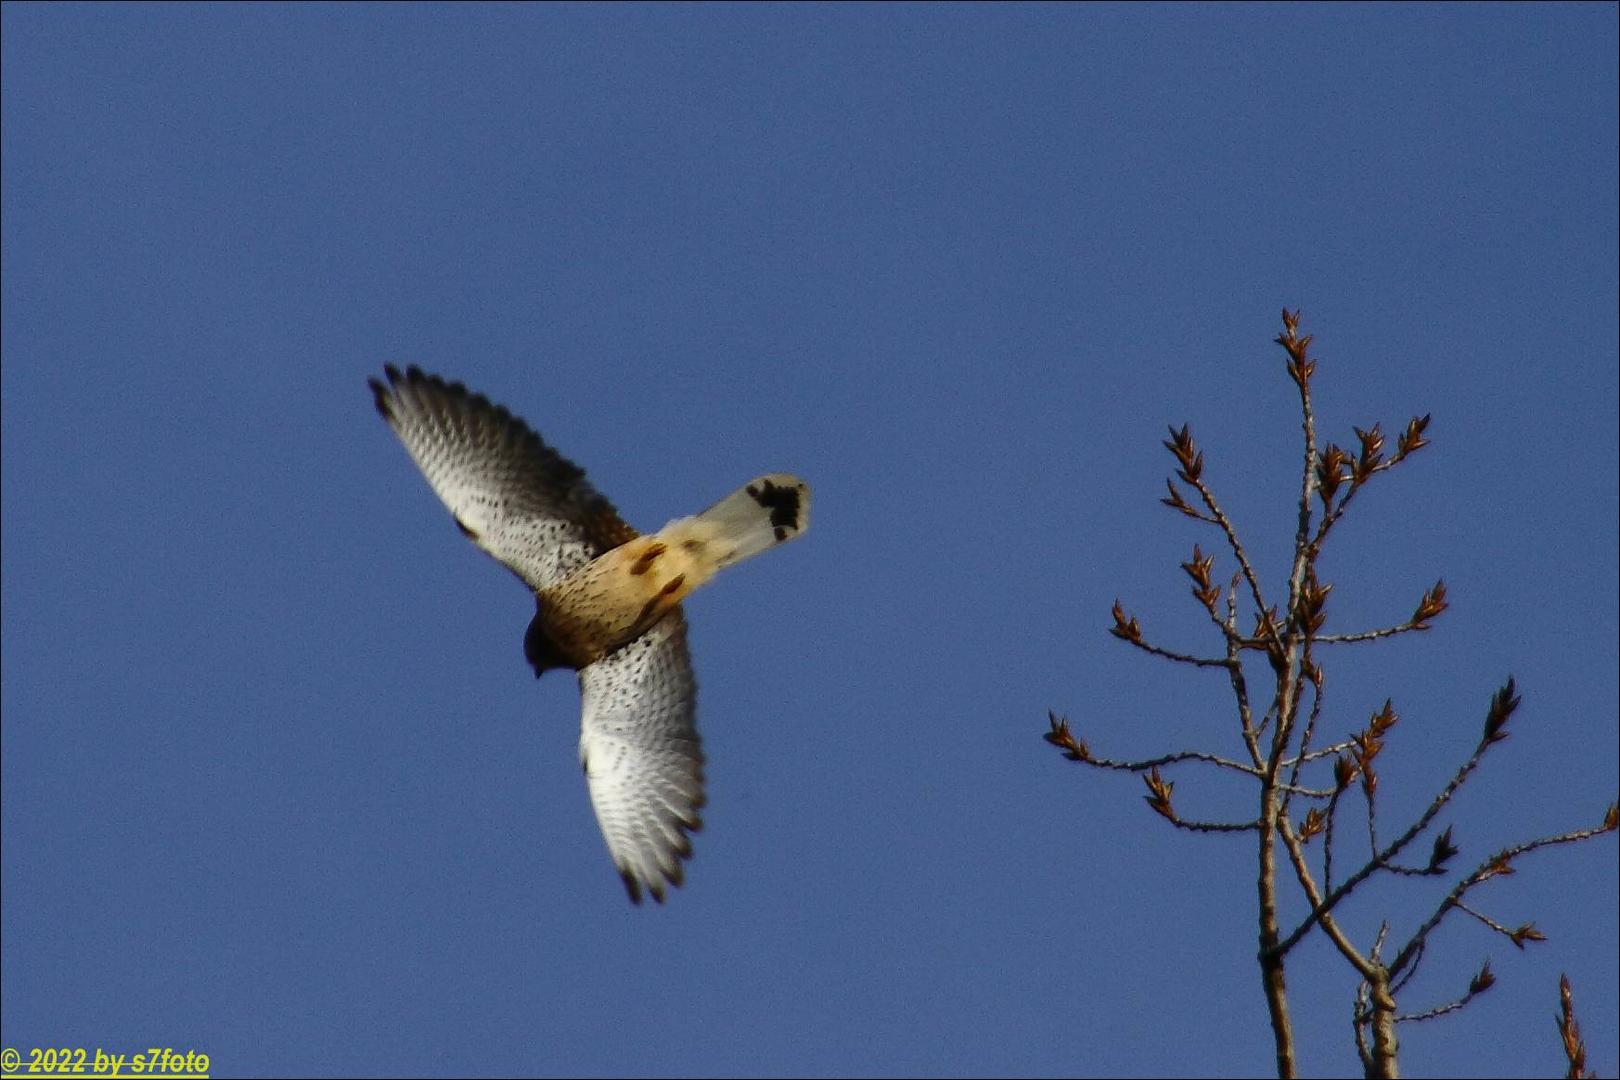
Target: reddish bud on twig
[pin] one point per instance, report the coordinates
(1526, 932)
(1501, 866)
(1312, 599)
(1331, 472)
(1158, 796)
(1199, 566)
(1432, 604)
(1372, 446)
(1570, 1031)
(1199, 569)
(1369, 780)
(1063, 739)
(1483, 981)
(1176, 502)
(1300, 366)
(1188, 456)
(1344, 771)
(1412, 438)
(1129, 629)
(1366, 746)
(1444, 849)
(1315, 821)
(1503, 702)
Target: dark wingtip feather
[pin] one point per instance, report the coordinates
(380, 398)
(633, 885)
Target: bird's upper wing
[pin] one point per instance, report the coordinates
(512, 495)
(642, 756)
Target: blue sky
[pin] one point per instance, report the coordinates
(278, 785)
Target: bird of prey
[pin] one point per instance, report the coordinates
(607, 599)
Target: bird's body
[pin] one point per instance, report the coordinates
(608, 600)
(617, 596)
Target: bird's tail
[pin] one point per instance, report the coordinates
(766, 511)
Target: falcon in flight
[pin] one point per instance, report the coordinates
(607, 600)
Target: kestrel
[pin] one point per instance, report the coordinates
(607, 600)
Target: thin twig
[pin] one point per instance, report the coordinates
(1310, 724)
(1332, 516)
(1414, 871)
(1494, 866)
(1389, 853)
(1486, 919)
(1438, 1011)
(1302, 873)
(1358, 1020)
(1215, 826)
(1168, 759)
(1327, 841)
(1371, 792)
(1240, 684)
(1411, 970)
(1236, 545)
(1326, 751)
(1370, 635)
(1180, 658)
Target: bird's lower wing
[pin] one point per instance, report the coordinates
(642, 756)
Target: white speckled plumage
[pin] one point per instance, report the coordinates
(607, 607)
(639, 746)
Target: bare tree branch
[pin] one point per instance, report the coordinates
(1288, 765)
(1128, 630)
(1191, 459)
(1369, 635)
(1382, 858)
(1497, 865)
(1063, 738)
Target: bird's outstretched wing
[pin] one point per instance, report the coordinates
(511, 494)
(643, 760)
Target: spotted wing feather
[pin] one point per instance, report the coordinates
(511, 494)
(642, 756)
